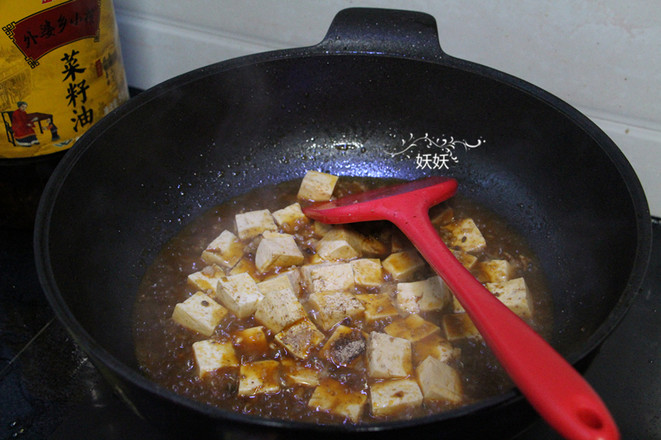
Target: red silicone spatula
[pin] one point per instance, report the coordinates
(560, 395)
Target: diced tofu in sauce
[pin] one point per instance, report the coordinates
(391, 396)
(334, 397)
(329, 303)
(199, 313)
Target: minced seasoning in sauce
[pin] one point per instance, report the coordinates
(307, 367)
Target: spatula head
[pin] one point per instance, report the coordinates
(382, 203)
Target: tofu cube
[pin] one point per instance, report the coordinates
(403, 266)
(260, 377)
(199, 313)
(435, 346)
(412, 328)
(294, 275)
(388, 356)
(245, 265)
(465, 236)
(291, 218)
(279, 309)
(391, 396)
(345, 346)
(333, 397)
(251, 224)
(378, 306)
(333, 307)
(251, 340)
(373, 247)
(225, 250)
(339, 244)
(466, 259)
(277, 250)
(328, 277)
(494, 271)
(439, 381)
(278, 282)
(320, 229)
(423, 296)
(317, 186)
(459, 326)
(514, 294)
(300, 339)
(207, 278)
(367, 272)
(239, 294)
(456, 305)
(211, 355)
(295, 373)
(441, 215)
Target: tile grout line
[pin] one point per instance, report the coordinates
(6, 368)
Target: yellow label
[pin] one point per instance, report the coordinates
(60, 72)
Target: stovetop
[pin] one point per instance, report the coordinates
(50, 390)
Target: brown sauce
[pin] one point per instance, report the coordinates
(164, 351)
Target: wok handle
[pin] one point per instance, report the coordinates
(384, 31)
(557, 391)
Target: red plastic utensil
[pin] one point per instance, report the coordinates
(552, 386)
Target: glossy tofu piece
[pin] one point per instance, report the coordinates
(206, 279)
(345, 346)
(328, 277)
(391, 396)
(277, 251)
(332, 308)
(300, 338)
(339, 244)
(317, 186)
(439, 381)
(251, 224)
(290, 218)
(387, 356)
(333, 397)
(459, 326)
(211, 355)
(465, 235)
(251, 340)
(279, 309)
(515, 295)
(367, 272)
(412, 328)
(435, 346)
(466, 259)
(260, 377)
(295, 373)
(494, 271)
(423, 296)
(199, 313)
(403, 266)
(378, 306)
(245, 265)
(290, 279)
(239, 294)
(225, 250)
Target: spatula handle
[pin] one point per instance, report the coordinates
(553, 387)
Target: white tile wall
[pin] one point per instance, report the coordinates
(603, 57)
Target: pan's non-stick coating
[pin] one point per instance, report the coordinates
(143, 173)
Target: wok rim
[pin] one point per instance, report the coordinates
(99, 354)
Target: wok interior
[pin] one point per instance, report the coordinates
(137, 178)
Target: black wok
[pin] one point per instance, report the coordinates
(348, 106)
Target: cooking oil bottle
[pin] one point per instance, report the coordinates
(61, 71)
